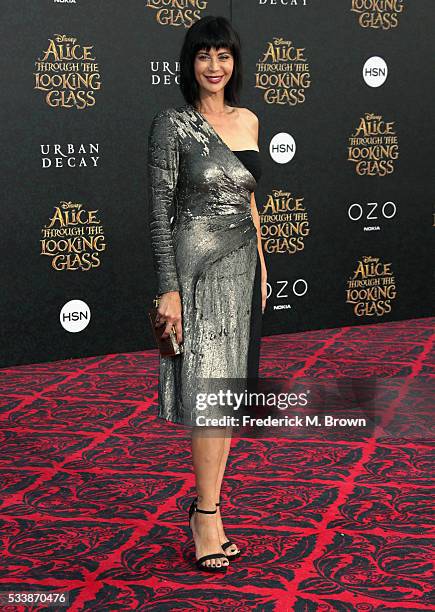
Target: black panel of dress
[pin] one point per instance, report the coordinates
(250, 158)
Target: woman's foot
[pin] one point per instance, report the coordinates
(230, 550)
(206, 536)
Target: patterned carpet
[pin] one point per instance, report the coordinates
(95, 488)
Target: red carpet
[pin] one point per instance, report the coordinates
(95, 488)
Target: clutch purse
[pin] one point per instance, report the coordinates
(168, 346)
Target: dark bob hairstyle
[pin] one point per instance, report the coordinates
(205, 33)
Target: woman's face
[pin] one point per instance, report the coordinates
(217, 63)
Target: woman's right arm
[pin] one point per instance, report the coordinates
(163, 160)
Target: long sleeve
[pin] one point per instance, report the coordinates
(163, 160)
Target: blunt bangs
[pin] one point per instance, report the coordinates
(206, 33)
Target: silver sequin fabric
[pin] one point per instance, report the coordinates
(208, 253)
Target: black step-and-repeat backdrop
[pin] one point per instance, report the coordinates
(344, 90)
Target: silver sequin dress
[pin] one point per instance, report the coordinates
(208, 253)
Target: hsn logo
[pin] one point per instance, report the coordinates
(375, 71)
(75, 316)
(282, 148)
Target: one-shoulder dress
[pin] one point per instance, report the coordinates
(204, 245)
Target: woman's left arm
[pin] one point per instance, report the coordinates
(256, 219)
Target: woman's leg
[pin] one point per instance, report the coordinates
(207, 451)
(222, 537)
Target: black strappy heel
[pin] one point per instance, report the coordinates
(199, 562)
(229, 543)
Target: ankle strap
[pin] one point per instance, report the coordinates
(195, 505)
(205, 511)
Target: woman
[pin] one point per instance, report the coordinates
(203, 160)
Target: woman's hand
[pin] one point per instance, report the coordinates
(169, 314)
(263, 286)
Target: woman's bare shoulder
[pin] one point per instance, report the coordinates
(250, 116)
